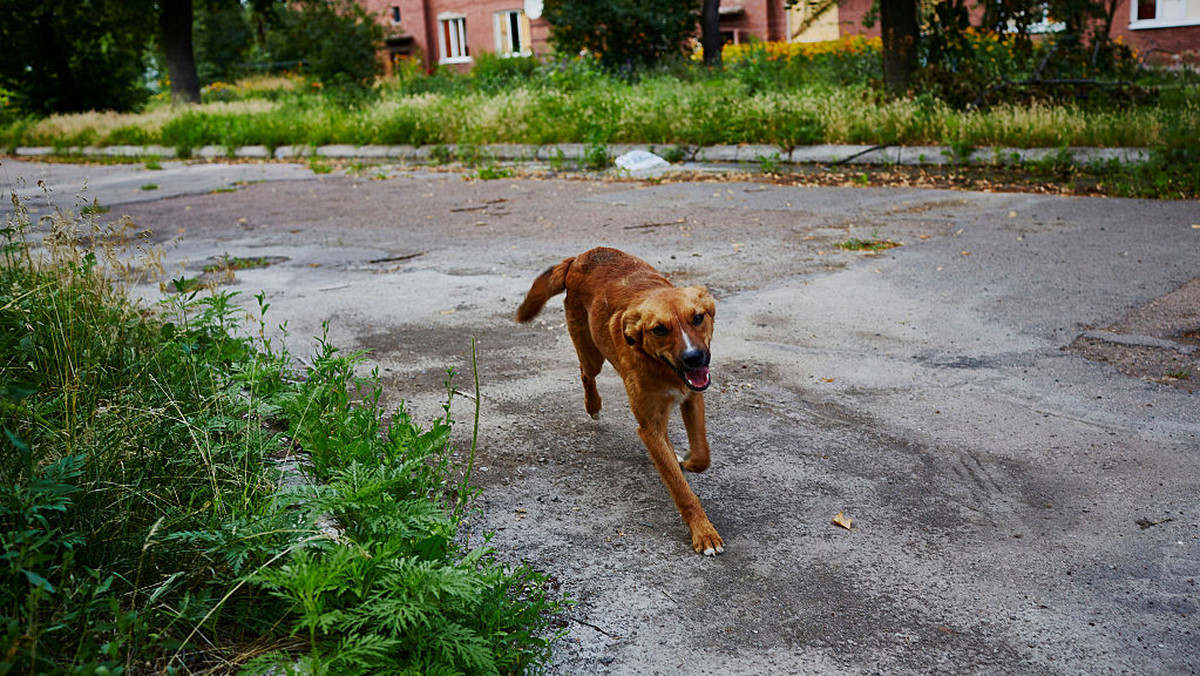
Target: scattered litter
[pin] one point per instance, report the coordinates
(641, 163)
(1145, 523)
(647, 226)
(393, 259)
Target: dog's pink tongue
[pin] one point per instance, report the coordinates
(697, 378)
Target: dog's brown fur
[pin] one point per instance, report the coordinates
(656, 336)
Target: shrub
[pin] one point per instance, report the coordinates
(778, 66)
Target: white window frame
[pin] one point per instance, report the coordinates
(1167, 14)
(453, 26)
(502, 22)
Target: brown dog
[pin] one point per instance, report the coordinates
(656, 336)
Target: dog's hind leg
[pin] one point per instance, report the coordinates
(590, 359)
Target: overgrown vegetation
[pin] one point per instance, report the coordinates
(782, 95)
(758, 100)
(174, 497)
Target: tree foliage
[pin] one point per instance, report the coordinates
(63, 56)
(334, 40)
(73, 55)
(624, 34)
(224, 39)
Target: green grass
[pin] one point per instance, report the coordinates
(856, 244)
(234, 263)
(492, 173)
(573, 103)
(784, 104)
(144, 522)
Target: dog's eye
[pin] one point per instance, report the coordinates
(698, 319)
(659, 330)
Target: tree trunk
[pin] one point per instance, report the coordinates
(175, 28)
(901, 33)
(710, 32)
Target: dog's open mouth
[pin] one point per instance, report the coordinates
(697, 378)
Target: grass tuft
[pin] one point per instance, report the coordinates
(856, 244)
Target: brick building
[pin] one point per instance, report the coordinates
(449, 33)
(1161, 30)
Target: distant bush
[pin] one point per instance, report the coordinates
(625, 35)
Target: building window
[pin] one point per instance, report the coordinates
(1163, 13)
(512, 33)
(394, 14)
(452, 39)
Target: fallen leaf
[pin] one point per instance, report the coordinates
(842, 520)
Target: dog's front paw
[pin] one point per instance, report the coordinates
(706, 541)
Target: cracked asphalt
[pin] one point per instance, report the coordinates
(1004, 405)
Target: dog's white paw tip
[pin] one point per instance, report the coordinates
(595, 416)
(720, 550)
(711, 552)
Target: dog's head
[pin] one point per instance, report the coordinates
(674, 325)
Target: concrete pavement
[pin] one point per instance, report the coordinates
(1018, 506)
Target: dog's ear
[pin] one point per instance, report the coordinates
(704, 299)
(631, 326)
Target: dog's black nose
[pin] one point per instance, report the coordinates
(694, 358)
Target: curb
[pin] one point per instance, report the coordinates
(515, 152)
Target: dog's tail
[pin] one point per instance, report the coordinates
(550, 283)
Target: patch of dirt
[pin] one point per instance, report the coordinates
(1159, 341)
(972, 178)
